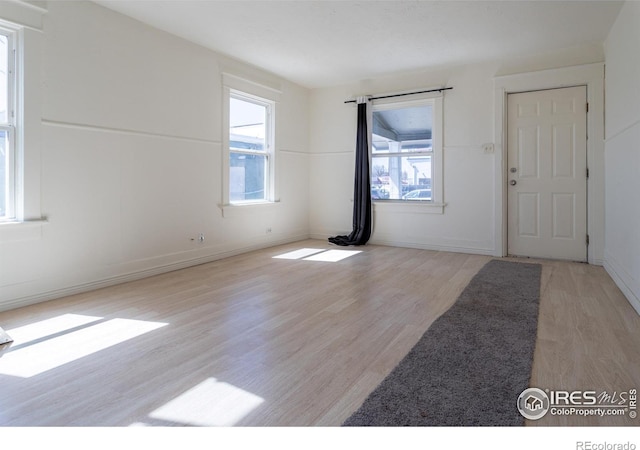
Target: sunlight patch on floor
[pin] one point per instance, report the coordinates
(299, 254)
(333, 255)
(44, 328)
(210, 403)
(318, 254)
(51, 353)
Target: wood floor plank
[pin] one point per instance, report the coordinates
(301, 342)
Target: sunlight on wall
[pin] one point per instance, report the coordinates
(210, 403)
(318, 254)
(51, 353)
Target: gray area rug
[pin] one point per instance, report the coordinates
(470, 366)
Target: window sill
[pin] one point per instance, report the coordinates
(26, 230)
(408, 207)
(238, 209)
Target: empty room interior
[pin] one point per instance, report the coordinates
(174, 175)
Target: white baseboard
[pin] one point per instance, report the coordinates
(140, 274)
(435, 247)
(623, 280)
(421, 246)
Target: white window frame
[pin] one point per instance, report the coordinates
(9, 127)
(268, 141)
(234, 85)
(436, 204)
(26, 20)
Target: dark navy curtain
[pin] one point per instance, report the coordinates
(362, 217)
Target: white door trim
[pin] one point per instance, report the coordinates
(591, 75)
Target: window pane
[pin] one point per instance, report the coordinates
(4, 79)
(247, 176)
(4, 169)
(401, 177)
(247, 125)
(402, 153)
(402, 129)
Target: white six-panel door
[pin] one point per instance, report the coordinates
(547, 174)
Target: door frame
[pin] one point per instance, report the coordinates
(589, 75)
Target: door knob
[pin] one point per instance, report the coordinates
(513, 182)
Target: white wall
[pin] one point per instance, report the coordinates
(622, 152)
(131, 163)
(472, 215)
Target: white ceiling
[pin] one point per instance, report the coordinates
(322, 43)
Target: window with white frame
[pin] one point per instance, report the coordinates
(7, 125)
(406, 151)
(250, 148)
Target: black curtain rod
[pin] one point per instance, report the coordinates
(401, 95)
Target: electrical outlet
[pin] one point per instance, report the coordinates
(487, 148)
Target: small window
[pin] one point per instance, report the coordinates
(404, 149)
(7, 127)
(250, 148)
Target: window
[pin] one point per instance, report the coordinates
(7, 126)
(406, 151)
(21, 40)
(250, 148)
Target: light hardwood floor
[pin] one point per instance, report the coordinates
(282, 342)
